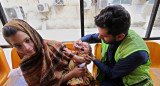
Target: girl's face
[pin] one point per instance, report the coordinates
(84, 47)
(22, 42)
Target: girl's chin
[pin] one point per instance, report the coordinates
(32, 53)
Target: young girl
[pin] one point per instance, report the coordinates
(42, 61)
(84, 51)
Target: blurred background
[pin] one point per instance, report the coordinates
(60, 19)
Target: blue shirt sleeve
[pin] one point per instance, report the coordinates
(91, 38)
(123, 66)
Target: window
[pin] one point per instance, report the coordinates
(59, 23)
(151, 2)
(116, 2)
(121, 2)
(156, 26)
(126, 1)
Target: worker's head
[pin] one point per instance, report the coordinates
(113, 23)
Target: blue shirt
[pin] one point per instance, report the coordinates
(115, 71)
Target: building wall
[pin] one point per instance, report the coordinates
(68, 16)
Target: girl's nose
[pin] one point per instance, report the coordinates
(26, 47)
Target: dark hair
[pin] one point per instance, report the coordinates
(8, 31)
(90, 50)
(115, 19)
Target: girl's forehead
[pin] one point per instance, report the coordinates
(18, 37)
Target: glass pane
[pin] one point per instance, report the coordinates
(156, 27)
(140, 14)
(53, 19)
(2, 41)
(126, 1)
(151, 2)
(1, 25)
(115, 2)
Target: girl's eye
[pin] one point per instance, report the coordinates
(17, 46)
(28, 40)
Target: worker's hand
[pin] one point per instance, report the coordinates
(77, 43)
(78, 72)
(66, 51)
(87, 59)
(90, 58)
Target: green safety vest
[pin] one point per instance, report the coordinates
(129, 45)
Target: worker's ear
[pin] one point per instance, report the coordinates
(119, 37)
